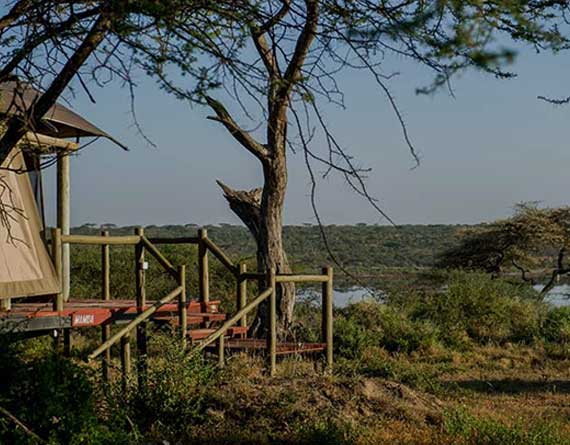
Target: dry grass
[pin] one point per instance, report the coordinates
(511, 388)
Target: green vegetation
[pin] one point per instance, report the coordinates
(420, 368)
(363, 248)
(471, 430)
(450, 357)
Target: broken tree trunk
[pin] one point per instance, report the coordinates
(270, 253)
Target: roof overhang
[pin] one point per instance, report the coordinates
(59, 122)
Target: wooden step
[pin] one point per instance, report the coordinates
(193, 318)
(200, 334)
(283, 348)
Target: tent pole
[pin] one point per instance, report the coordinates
(63, 216)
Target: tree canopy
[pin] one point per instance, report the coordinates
(534, 238)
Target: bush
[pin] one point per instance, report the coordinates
(172, 400)
(486, 310)
(557, 325)
(371, 324)
(50, 394)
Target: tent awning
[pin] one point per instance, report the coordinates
(59, 121)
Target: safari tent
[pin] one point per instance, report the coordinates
(26, 268)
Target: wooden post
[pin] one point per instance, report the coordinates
(272, 329)
(57, 258)
(242, 292)
(327, 317)
(6, 304)
(67, 342)
(182, 307)
(203, 271)
(125, 359)
(140, 266)
(106, 294)
(221, 358)
(64, 217)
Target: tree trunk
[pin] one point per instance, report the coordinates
(266, 228)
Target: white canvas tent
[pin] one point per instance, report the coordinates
(25, 266)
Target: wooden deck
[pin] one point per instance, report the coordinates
(32, 316)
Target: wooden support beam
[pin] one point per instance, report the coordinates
(242, 292)
(56, 256)
(327, 317)
(125, 360)
(182, 308)
(6, 304)
(140, 267)
(221, 358)
(64, 218)
(106, 294)
(203, 271)
(272, 329)
(41, 140)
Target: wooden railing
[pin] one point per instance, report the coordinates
(205, 245)
(270, 278)
(141, 245)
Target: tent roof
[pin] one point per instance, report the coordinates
(59, 121)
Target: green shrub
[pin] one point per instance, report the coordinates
(557, 325)
(351, 339)
(485, 309)
(51, 394)
(172, 400)
(366, 324)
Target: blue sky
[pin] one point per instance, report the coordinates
(491, 146)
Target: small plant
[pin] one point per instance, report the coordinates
(172, 399)
(327, 432)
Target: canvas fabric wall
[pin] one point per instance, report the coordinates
(25, 266)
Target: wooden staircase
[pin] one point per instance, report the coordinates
(203, 319)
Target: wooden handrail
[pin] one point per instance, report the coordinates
(220, 255)
(136, 321)
(285, 278)
(126, 240)
(252, 276)
(181, 240)
(159, 257)
(233, 320)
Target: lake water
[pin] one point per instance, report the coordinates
(558, 296)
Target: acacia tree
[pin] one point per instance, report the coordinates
(279, 61)
(534, 238)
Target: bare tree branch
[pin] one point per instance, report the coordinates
(242, 136)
